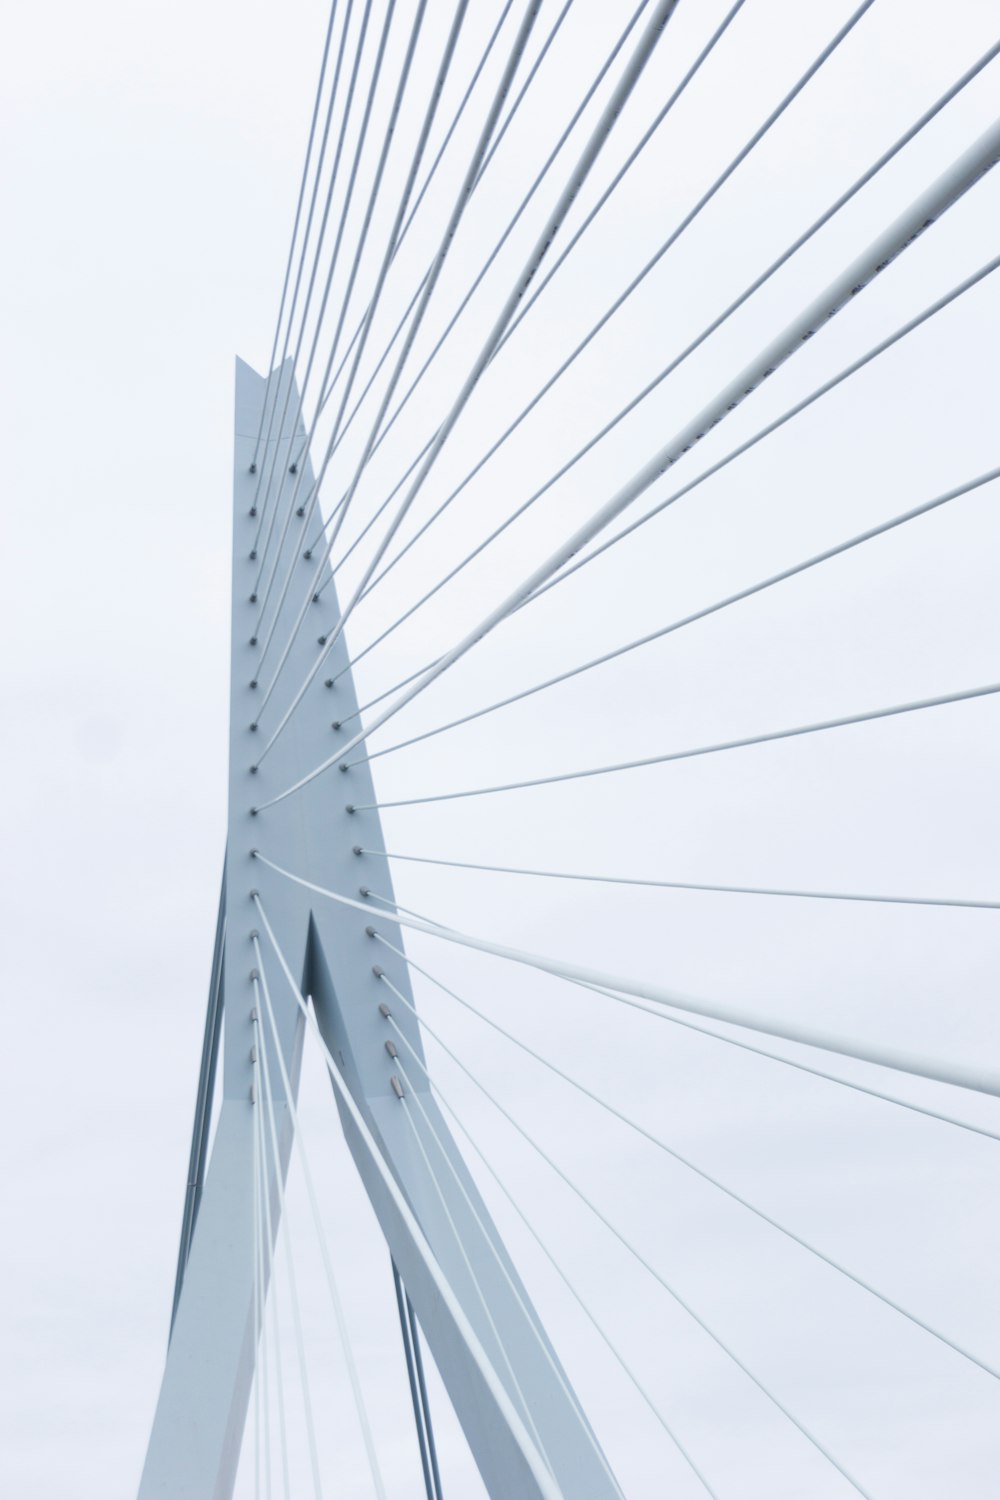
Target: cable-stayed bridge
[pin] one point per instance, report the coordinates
(408, 283)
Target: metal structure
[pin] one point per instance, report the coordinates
(513, 1400)
(300, 946)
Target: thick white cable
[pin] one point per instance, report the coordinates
(788, 1062)
(279, 1177)
(684, 885)
(335, 170)
(931, 204)
(512, 1419)
(331, 1279)
(477, 1285)
(980, 1079)
(458, 209)
(651, 1269)
(373, 83)
(269, 1261)
(373, 303)
(692, 1166)
(662, 1015)
(720, 746)
(701, 614)
(528, 1312)
(623, 297)
(295, 230)
(631, 73)
(557, 1267)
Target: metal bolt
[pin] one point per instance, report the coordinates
(253, 640)
(369, 932)
(321, 640)
(253, 770)
(253, 682)
(384, 1011)
(301, 511)
(307, 554)
(343, 766)
(377, 970)
(357, 849)
(253, 510)
(253, 598)
(293, 468)
(253, 554)
(390, 1047)
(253, 728)
(349, 808)
(253, 468)
(397, 1087)
(364, 892)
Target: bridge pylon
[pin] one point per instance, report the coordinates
(525, 1428)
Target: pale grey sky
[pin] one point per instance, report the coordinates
(150, 163)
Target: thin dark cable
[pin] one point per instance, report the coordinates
(411, 1375)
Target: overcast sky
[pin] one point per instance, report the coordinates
(151, 156)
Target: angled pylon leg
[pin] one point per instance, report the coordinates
(313, 833)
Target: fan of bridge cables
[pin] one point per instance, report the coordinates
(645, 361)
